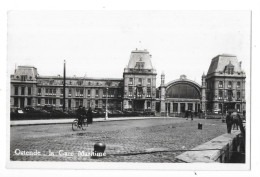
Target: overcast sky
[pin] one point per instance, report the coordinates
(99, 43)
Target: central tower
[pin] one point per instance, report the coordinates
(139, 82)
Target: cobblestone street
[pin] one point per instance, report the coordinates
(126, 141)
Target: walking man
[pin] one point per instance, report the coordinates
(89, 116)
(229, 122)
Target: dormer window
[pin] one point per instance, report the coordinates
(139, 65)
(80, 82)
(229, 68)
(23, 77)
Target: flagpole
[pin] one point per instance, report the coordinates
(64, 85)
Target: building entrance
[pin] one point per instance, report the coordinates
(139, 105)
(229, 106)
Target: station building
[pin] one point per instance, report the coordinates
(222, 88)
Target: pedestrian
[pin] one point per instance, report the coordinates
(191, 115)
(186, 114)
(235, 121)
(240, 124)
(242, 129)
(229, 122)
(89, 116)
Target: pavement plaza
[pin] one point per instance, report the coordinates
(146, 140)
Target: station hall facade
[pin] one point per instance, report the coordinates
(222, 88)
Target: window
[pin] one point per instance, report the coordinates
(97, 93)
(39, 101)
(238, 95)
(96, 103)
(230, 70)
(148, 81)
(139, 65)
(29, 101)
(39, 92)
(238, 107)
(148, 105)
(140, 81)
(229, 84)
(220, 94)
(22, 90)
(61, 92)
(23, 77)
(69, 94)
(130, 104)
(80, 82)
(46, 91)
(88, 93)
(175, 107)
(238, 85)
(119, 93)
(79, 92)
(69, 103)
(139, 92)
(220, 84)
(130, 81)
(61, 102)
(16, 102)
(50, 101)
(111, 93)
(130, 91)
(230, 95)
(148, 92)
(15, 90)
(79, 102)
(50, 91)
(104, 92)
(220, 107)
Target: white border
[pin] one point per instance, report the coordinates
(135, 5)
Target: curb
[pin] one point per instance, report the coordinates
(69, 121)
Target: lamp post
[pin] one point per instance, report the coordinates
(106, 117)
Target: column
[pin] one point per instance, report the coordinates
(171, 107)
(25, 102)
(193, 107)
(179, 108)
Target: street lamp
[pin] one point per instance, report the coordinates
(106, 117)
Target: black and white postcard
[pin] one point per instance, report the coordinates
(129, 89)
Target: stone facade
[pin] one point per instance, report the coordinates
(39, 91)
(139, 82)
(221, 89)
(225, 85)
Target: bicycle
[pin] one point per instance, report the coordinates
(76, 126)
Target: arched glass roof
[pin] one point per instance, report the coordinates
(182, 90)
